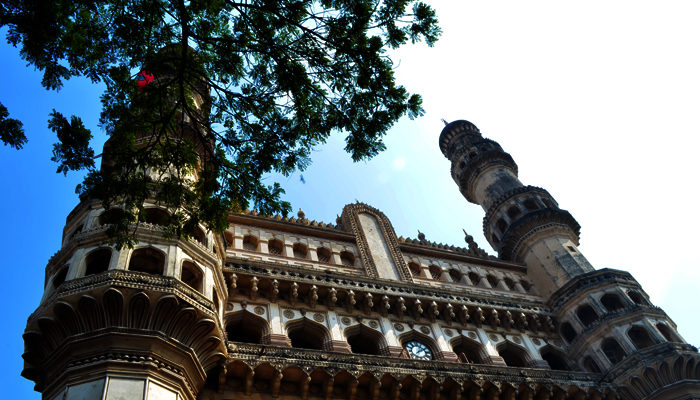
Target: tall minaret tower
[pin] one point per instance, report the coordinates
(523, 223)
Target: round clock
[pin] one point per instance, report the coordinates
(419, 351)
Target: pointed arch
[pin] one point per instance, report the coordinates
(192, 275)
(667, 332)
(612, 350)
(469, 350)
(244, 326)
(556, 358)
(587, 315)
(306, 334)
(612, 302)
(97, 261)
(514, 355)
(148, 260)
(640, 337)
(365, 340)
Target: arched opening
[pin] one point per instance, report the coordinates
(347, 258)
(514, 212)
(155, 216)
(456, 275)
(300, 250)
(469, 351)
(435, 272)
(148, 260)
(509, 282)
(568, 332)
(229, 239)
(414, 268)
(590, 365)
(192, 275)
(526, 285)
(364, 340)
(502, 225)
(474, 278)
(98, 261)
(612, 350)
(323, 254)
(493, 281)
(199, 236)
(530, 204)
(640, 337)
(275, 247)
(667, 333)
(246, 327)
(612, 302)
(250, 243)
(305, 334)
(637, 298)
(587, 315)
(513, 355)
(555, 358)
(60, 276)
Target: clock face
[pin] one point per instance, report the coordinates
(419, 351)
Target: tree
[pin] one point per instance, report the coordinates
(241, 88)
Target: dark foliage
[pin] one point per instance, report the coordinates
(241, 89)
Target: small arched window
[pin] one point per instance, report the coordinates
(493, 281)
(587, 315)
(474, 278)
(501, 224)
(568, 332)
(435, 272)
(415, 269)
(637, 298)
(556, 359)
(456, 275)
(612, 350)
(513, 355)
(667, 333)
(148, 260)
(612, 302)
(347, 258)
(199, 236)
(192, 275)
(60, 276)
(469, 351)
(514, 212)
(363, 340)
(640, 337)
(97, 261)
(308, 335)
(275, 247)
(530, 204)
(526, 285)
(245, 327)
(323, 254)
(300, 250)
(155, 216)
(250, 243)
(590, 365)
(509, 282)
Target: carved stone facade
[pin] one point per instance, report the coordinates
(296, 309)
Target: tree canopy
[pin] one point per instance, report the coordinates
(241, 89)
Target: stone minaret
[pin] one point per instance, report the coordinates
(523, 223)
(142, 323)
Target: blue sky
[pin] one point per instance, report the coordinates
(597, 102)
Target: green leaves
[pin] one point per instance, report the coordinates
(73, 151)
(11, 130)
(241, 89)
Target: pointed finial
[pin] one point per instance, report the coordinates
(301, 214)
(443, 121)
(421, 236)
